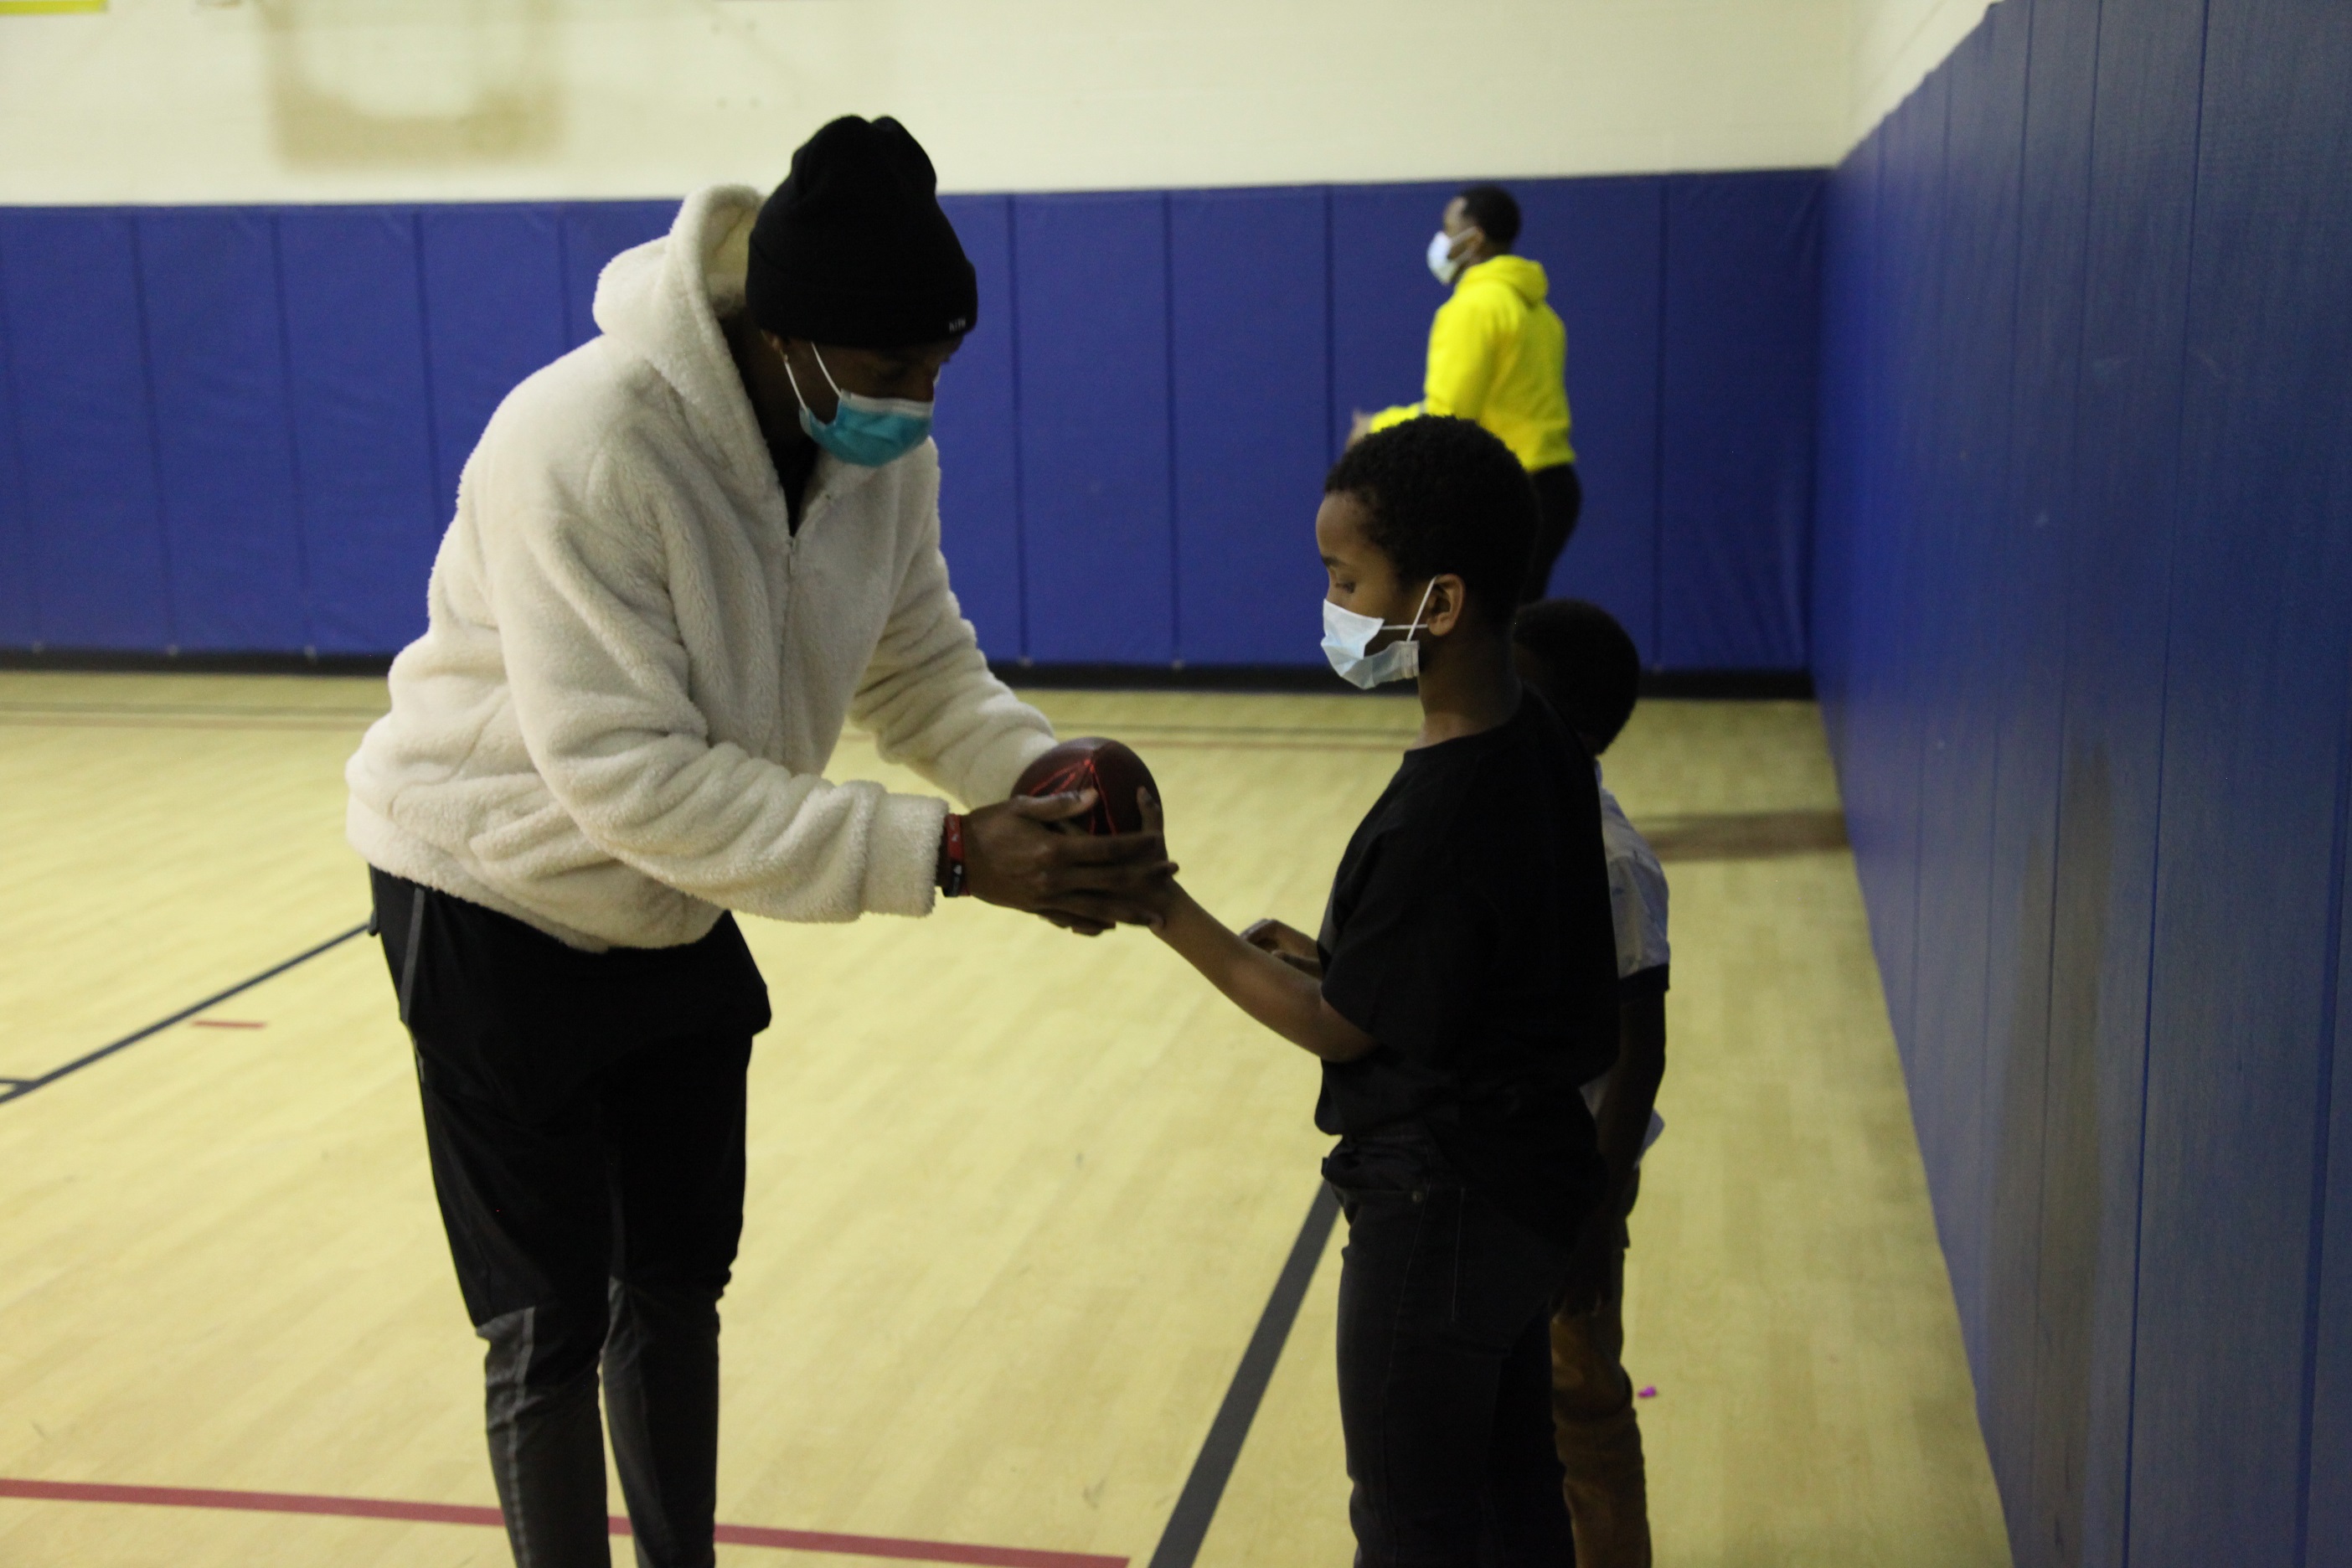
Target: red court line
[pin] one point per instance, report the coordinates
(457, 1513)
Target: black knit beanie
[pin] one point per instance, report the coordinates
(853, 247)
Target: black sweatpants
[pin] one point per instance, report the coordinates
(1444, 1369)
(584, 1113)
(1559, 500)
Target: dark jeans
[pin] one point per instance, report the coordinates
(583, 1114)
(1444, 1368)
(1559, 500)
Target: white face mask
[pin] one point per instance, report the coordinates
(1345, 635)
(1440, 257)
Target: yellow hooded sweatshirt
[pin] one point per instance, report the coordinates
(1498, 355)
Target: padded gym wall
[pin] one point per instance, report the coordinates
(241, 428)
(2082, 615)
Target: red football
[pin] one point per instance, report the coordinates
(1090, 762)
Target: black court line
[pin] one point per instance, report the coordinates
(16, 1088)
(1196, 1506)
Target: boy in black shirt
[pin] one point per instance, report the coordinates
(1464, 987)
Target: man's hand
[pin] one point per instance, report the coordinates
(1072, 924)
(1014, 855)
(1288, 943)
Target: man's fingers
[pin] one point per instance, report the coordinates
(1114, 882)
(1148, 803)
(1073, 923)
(1113, 849)
(1276, 938)
(1053, 807)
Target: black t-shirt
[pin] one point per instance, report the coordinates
(1469, 933)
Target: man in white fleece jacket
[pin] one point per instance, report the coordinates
(683, 556)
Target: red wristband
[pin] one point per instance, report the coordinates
(952, 877)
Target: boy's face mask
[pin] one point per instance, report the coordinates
(1347, 635)
(867, 431)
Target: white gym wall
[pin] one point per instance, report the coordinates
(301, 101)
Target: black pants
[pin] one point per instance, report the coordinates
(583, 1114)
(1559, 497)
(1446, 1370)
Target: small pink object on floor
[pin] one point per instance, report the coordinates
(1649, 1393)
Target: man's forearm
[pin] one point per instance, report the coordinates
(1275, 994)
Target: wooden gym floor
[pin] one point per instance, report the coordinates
(1017, 1201)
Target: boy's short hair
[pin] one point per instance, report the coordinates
(1495, 211)
(1585, 665)
(1443, 495)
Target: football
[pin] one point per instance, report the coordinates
(1112, 770)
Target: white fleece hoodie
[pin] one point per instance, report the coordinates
(632, 674)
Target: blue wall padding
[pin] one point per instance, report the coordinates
(1983, 658)
(19, 609)
(2259, 649)
(2038, 1366)
(2127, 471)
(1601, 242)
(491, 317)
(1883, 811)
(1974, 281)
(1252, 353)
(592, 234)
(1735, 502)
(371, 510)
(85, 428)
(1131, 444)
(978, 428)
(224, 443)
(1090, 282)
(2330, 1517)
(2082, 626)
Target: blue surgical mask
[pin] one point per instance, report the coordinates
(1345, 635)
(867, 431)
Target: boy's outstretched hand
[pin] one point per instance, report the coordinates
(1162, 896)
(1017, 859)
(1288, 943)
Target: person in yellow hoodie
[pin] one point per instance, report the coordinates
(1498, 355)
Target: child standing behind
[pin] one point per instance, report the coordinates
(1582, 661)
(1462, 991)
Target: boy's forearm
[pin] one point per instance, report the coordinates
(1632, 1090)
(1275, 994)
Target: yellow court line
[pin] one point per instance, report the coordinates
(48, 7)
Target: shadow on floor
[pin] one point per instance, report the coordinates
(1745, 835)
